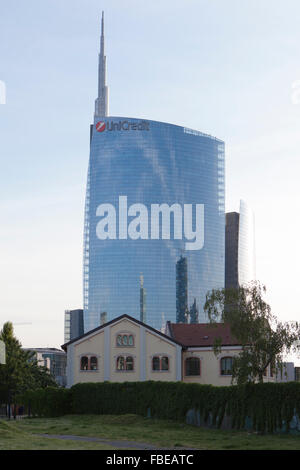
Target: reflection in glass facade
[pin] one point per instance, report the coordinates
(181, 290)
(135, 165)
(246, 246)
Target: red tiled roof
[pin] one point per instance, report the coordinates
(202, 334)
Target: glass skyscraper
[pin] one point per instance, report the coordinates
(155, 192)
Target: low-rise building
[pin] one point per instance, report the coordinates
(123, 350)
(126, 349)
(199, 362)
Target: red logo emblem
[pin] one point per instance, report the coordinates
(100, 126)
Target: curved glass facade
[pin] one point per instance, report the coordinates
(155, 192)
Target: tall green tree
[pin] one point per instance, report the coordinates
(21, 371)
(263, 338)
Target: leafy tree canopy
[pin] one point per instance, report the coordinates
(21, 371)
(263, 338)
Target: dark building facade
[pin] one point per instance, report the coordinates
(239, 247)
(231, 250)
(74, 326)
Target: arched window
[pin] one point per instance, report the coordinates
(160, 363)
(125, 363)
(89, 363)
(130, 340)
(125, 340)
(155, 363)
(84, 363)
(165, 363)
(129, 363)
(120, 363)
(226, 365)
(93, 363)
(192, 366)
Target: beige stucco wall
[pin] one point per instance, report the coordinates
(89, 346)
(156, 345)
(209, 367)
(210, 370)
(146, 345)
(123, 327)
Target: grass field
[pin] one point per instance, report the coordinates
(23, 434)
(14, 437)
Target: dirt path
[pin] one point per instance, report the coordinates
(117, 444)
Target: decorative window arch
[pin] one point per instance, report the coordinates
(89, 362)
(160, 363)
(125, 363)
(125, 339)
(226, 364)
(192, 366)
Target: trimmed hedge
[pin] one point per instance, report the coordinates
(269, 406)
(48, 402)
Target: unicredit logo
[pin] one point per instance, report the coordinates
(122, 126)
(100, 126)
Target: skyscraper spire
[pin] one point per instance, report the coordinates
(101, 104)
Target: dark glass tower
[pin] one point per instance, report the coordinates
(239, 247)
(73, 324)
(231, 250)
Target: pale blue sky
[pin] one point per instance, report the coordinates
(224, 67)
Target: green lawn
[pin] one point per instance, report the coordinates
(22, 434)
(15, 437)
